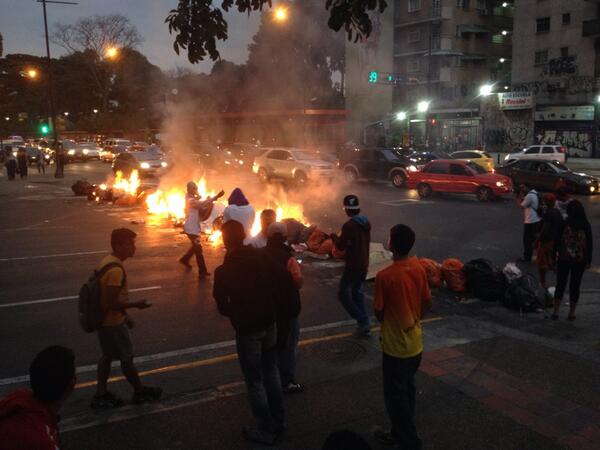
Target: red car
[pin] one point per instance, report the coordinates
(455, 176)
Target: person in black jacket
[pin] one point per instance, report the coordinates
(574, 250)
(355, 241)
(243, 293)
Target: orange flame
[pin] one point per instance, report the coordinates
(128, 185)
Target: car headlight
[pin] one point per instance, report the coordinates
(71, 152)
(85, 151)
(241, 162)
(145, 165)
(163, 164)
(592, 188)
(413, 169)
(47, 156)
(500, 183)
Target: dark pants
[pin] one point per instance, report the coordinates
(352, 297)
(11, 169)
(399, 394)
(562, 275)
(195, 249)
(257, 353)
(287, 345)
(41, 168)
(530, 232)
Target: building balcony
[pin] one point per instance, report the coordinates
(504, 22)
(437, 15)
(591, 28)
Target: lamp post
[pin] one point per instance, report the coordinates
(280, 14)
(423, 107)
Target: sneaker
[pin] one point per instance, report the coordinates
(259, 436)
(384, 437)
(146, 394)
(185, 263)
(106, 401)
(292, 388)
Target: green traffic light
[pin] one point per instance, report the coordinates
(44, 129)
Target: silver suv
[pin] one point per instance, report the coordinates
(292, 164)
(540, 152)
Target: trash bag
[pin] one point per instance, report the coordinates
(81, 188)
(452, 272)
(511, 272)
(434, 272)
(319, 242)
(485, 281)
(526, 294)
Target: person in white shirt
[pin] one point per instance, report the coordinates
(267, 217)
(529, 201)
(240, 210)
(194, 209)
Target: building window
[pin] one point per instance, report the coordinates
(414, 36)
(543, 25)
(564, 51)
(566, 18)
(541, 57)
(498, 39)
(482, 7)
(413, 65)
(414, 5)
(464, 4)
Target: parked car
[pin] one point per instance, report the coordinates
(238, 155)
(147, 164)
(477, 156)
(540, 152)
(375, 164)
(112, 143)
(461, 177)
(546, 175)
(419, 159)
(292, 164)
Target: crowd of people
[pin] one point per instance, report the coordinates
(17, 162)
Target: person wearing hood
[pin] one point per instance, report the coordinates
(29, 418)
(196, 210)
(354, 240)
(244, 293)
(240, 210)
(574, 256)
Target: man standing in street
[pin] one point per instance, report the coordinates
(113, 333)
(267, 217)
(243, 293)
(529, 201)
(355, 241)
(402, 297)
(194, 209)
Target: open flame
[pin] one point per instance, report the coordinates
(128, 185)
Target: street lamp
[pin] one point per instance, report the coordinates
(32, 73)
(504, 32)
(502, 60)
(111, 52)
(280, 14)
(7, 118)
(486, 90)
(423, 106)
(66, 113)
(504, 5)
(95, 111)
(401, 116)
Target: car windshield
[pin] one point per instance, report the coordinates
(486, 154)
(476, 167)
(559, 166)
(145, 156)
(391, 155)
(304, 156)
(86, 145)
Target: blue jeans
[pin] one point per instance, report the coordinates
(287, 353)
(353, 298)
(257, 353)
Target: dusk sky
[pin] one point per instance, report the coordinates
(22, 27)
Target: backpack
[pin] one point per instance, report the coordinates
(542, 207)
(90, 309)
(484, 280)
(526, 294)
(573, 245)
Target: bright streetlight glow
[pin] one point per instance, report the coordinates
(506, 88)
(504, 5)
(95, 111)
(598, 99)
(32, 73)
(502, 60)
(485, 90)
(280, 14)
(504, 32)
(66, 113)
(423, 106)
(111, 52)
(401, 115)
(7, 118)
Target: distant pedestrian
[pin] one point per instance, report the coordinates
(29, 418)
(41, 162)
(267, 217)
(243, 293)
(286, 280)
(10, 163)
(22, 162)
(354, 240)
(575, 247)
(60, 159)
(529, 201)
(196, 211)
(546, 245)
(113, 332)
(240, 210)
(402, 297)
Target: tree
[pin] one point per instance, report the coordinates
(197, 24)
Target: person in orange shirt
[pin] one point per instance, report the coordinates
(402, 297)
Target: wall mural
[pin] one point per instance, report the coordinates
(578, 143)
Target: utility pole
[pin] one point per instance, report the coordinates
(59, 166)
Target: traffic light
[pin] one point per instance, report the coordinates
(373, 77)
(432, 121)
(44, 129)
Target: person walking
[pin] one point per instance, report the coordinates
(196, 210)
(10, 163)
(113, 333)
(402, 297)
(354, 240)
(240, 210)
(29, 418)
(287, 281)
(574, 247)
(546, 244)
(41, 162)
(267, 217)
(22, 162)
(529, 201)
(60, 159)
(243, 293)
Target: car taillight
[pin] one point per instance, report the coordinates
(562, 149)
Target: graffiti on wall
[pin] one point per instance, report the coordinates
(578, 143)
(564, 65)
(572, 85)
(507, 130)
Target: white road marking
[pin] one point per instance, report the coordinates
(69, 297)
(405, 202)
(178, 353)
(58, 255)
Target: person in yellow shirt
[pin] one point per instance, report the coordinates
(114, 331)
(402, 297)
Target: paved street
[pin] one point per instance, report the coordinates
(486, 369)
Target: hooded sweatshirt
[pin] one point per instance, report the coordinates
(355, 240)
(239, 209)
(27, 424)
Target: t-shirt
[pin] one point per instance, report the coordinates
(192, 220)
(258, 241)
(113, 277)
(400, 290)
(531, 203)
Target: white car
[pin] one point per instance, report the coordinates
(540, 152)
(292, 164)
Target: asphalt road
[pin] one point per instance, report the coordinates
(51, 242)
